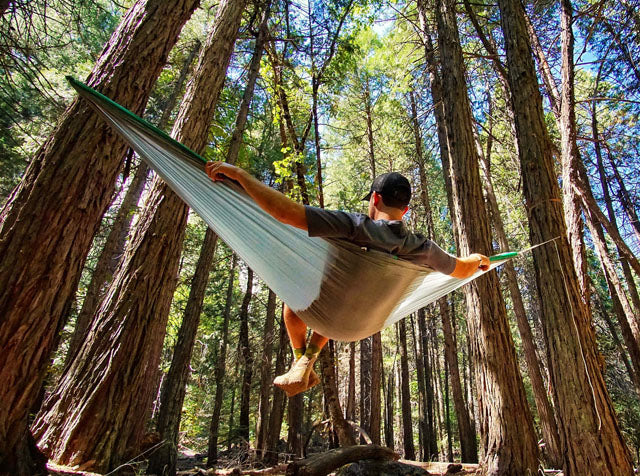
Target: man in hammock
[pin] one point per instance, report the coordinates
(380, 229)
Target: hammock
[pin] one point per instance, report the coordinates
(336, 288)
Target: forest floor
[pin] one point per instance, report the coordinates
(192, 464)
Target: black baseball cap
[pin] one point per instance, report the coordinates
(394, 188)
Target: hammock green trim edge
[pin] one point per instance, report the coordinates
(80, 85)
(501, 256)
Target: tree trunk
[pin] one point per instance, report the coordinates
(589, 432)
(294, 418)
(247, 361)
(220, 372)
(277, 406)
(163, 460)
(376, 388)
(467, 433)
(169, 423)
(423, 400)
(266, 376)
(117, 238)
(64, 193)
(543, 405)
(140, 296)
(365, 385)
(389, 411)
(330, 387)
(108, 262)
(570, 155)
(405, 394)
(350, 412)
(505, 420)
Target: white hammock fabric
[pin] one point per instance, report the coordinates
(336, 288)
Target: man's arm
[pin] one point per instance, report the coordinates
(468, 265)
(271, 201)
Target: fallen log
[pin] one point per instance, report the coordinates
(324, 463)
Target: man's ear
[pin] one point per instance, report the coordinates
(376, 198)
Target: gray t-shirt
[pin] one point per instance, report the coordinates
(382, 235)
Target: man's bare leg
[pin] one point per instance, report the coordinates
(301, 376)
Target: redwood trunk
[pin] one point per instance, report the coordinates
(220, 372)
(266, 376)
(506, 425)
(247, 361)
(277, 406)
(163, 460)
(136, 307)
(117, 238)
(48, 223)
(589, 431)
(405, 394)
(467, 432)
(543, 405)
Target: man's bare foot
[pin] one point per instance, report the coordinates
(296, 380)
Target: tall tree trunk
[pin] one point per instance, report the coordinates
(277, 406)
(163, 460)
(117, 239)
(365, 384)
(175, 383)
(570, 154)
(589, 431)
(467, 434)
(109, 258)
(505, 420)
(350, 411)
(376, 388)
(266, 376)
(369, 122)
(405, 394)
(247, 361)
(330, 387)
(64, 193)
(389, 411)
(135, 310)
(423, 400)
(447, 414)
(295, 418)
(543, 405)
(220, 372)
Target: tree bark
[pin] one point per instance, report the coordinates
(467, 433)
(117, 239)
(589, 432)
(64, 193)
(506, 425)
(389, 411)
(350, 411)
(330, 387)
(247, 361)
(212, 453)
(136, 308)
(424, 440)
(163, 460)
(543, 405)
(365, 384)
(266, 376)
(405, 394)
(277, 406)
(571, 155)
